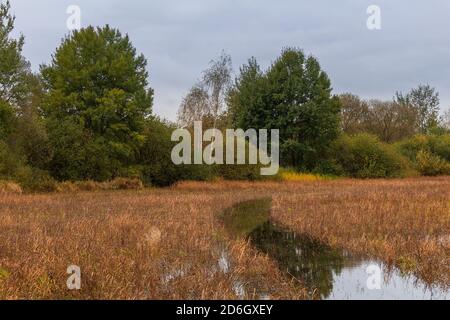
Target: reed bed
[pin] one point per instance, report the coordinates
(170, 244)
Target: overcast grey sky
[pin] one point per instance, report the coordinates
(179, 38)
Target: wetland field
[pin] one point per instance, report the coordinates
(231, 240)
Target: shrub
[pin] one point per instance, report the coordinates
(365, 156)
(429, 164)
(35, 180)
(435, 144)
(155, 155)
(429, 153)
(10, 162)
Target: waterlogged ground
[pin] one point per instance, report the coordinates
(213, 241)
(327, 273)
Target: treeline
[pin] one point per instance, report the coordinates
(319, 132)
(87, 116)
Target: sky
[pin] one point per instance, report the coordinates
(180, 38)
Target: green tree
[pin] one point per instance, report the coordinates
(29, 135)
(425, 101)
(14, 70)
(294, 95)
(96, 104)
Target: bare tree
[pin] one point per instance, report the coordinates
(390, 121)
(207, 99)
(354, 113)
(217, 80)
(195, 106)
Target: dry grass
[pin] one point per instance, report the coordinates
(8, 187)
(116, 184)
(130, 245)
(405, 223)
(167, 243)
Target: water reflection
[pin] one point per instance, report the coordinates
(308, 260)
(328, 273)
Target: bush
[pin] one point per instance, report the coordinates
(365, 156)
(10, 162)
(429, 153)
(429, 164)
(435, 144)
(35, 180)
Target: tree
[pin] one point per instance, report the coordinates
(390, 121)
(294, 96)
(354, 114)
(246, 96)
(28, 134)
(446, 120)
(206, 101)
(97, 86)
(194, 107)
(425, 101)
(14, 70)
(217, 80)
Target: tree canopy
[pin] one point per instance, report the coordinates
(294, 95)
(97, 98)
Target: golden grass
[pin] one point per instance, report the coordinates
(116, 184)
(8, 187)
(130, 245)
(167, 243)
(405, 223)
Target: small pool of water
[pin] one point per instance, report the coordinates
(327, 273)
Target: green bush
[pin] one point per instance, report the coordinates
(429, 153)
(155, 155)
(365, 156)
(35, 180)
(435, 144)
(10, 163)
(429, 164)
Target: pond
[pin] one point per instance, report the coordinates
(327, 273)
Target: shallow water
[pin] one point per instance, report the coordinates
(328, 273)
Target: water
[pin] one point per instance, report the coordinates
(327, 273)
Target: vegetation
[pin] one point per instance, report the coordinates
(87, 116)
(170, 243)
(96, 102)
(365, 156)
(294, 95)
(84, 125)
(393, 220)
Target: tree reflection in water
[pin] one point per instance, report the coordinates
(311, 262)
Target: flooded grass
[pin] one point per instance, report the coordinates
(327, 272)
(172, 243)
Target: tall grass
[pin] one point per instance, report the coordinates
(167, 243)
